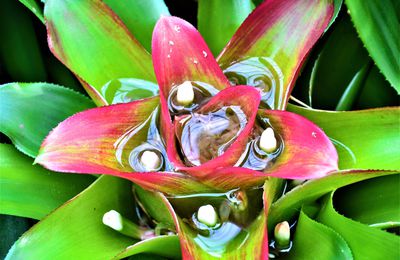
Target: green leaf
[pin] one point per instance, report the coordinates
(376, 92)
(218, 20)
(338, 6)
(352, 91)
(337, 64)
(377, 24)
(31, 191)
(154, 205)
(330, 244)
(20, 55)
(140, 16)
(365, 242)
(75, 230)
(34, 6)
(28, 111)
(365, 139)
(93, 43)
(161, 246)
(373, 202)
(288, 205)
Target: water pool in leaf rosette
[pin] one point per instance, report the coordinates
(129, 149)
(203, 137)
(202, 93)
(260, 72)
(236, 211)
(255, 157)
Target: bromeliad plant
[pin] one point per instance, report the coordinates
(208, 139)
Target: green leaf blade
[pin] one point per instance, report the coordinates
(218, 20)
(75, 230)
(378, 26)
(43, 191)
(365, 139)
(29, 111)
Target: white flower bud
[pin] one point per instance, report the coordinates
(185, 93)
(268, 141)
(207, 215)
(150, 160)
(282, 234)
(113, 219)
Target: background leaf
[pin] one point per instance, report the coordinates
(31, 191)
(218, 20)
(75, 230)
(365, 139)
(364, 242)
(289, 205)
(342, 56)
(377, 24)
(373, 202)
(28, 111)
(20, 54)
(140, 16)
(314, 240)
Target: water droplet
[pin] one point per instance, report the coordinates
(171, 43)
(177, 28)
(195, 61)
(170, 50)
(205, 54)
(314, 134)
(168, 56)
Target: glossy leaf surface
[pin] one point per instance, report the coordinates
(101, 140)
(161, 246)
(364, 242)
(94, 43)
(31, 191)
(373, 202)
(365, 139)
(324, 242)
(180, 54)
(377, 23)
(28, 111)
(218, 20)
(307, 152)
(140, 17)
(75, 230)
(288, 205)
(290, 31)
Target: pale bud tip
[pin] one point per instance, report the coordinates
(268, 141)
(282, 234)
(185, 93)
(113, 220)
(150, 160)
(207, 215)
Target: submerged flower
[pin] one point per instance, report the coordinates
(213, 128)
